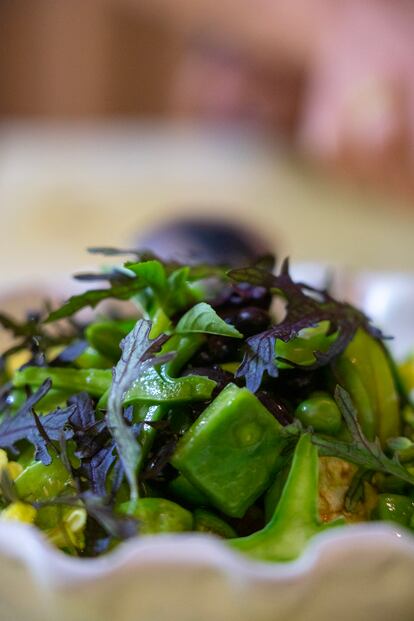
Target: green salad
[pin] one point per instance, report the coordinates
(200, 405)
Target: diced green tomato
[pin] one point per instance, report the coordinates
(320, 412)
(230, 453)
(158, 515)
(296, 518)
(38, 482)
(185, 491)
(208, 522)
(394, 508)
(93, 381)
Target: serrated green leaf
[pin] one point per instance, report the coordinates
(361, 452)
(137, 350)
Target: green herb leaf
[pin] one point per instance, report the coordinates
(361, 452)
(203, 318)
(152, 274)
(93, 297)
(137, 355)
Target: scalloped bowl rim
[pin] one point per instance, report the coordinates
(49, 566)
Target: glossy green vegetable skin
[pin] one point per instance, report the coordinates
(320, 412)
(363, 370)
(38, 482)
(93, 381)
(231, 451)
(394, 508)
(105, 337)
(207, 522)
(300, 349)
(153, 386)
(296, 518)
(158, 515)
(156, 387)
(184, 348)
(185, 491)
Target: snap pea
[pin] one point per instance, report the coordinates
(363, 370)
(296, 517)
(93, 381)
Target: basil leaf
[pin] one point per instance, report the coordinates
(203, 318)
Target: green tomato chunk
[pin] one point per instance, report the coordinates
(231, 452)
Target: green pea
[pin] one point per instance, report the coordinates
(394, 508)
(321, 413)
(208, 522)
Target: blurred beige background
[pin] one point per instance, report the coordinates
(113, 119)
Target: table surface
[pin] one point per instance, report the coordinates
(66, 187)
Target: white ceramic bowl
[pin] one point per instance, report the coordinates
(359, 572)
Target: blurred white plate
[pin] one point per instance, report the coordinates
(357, 572)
